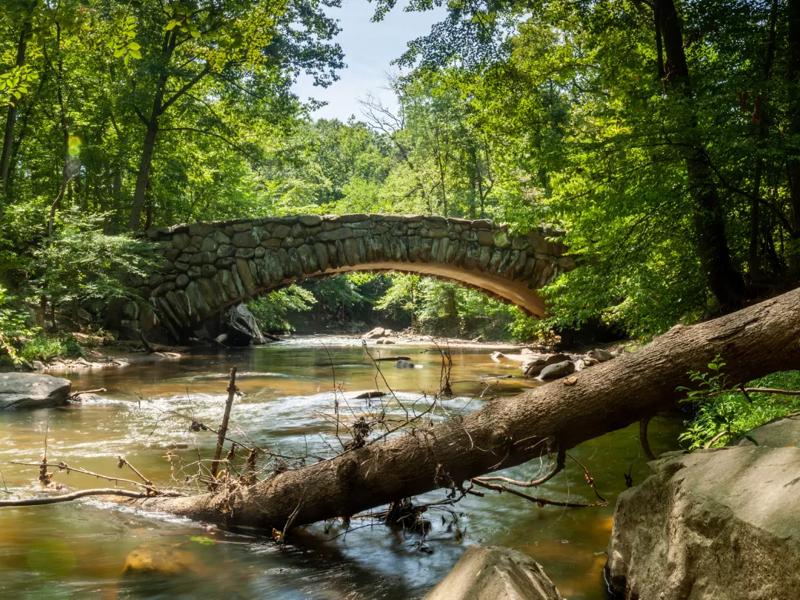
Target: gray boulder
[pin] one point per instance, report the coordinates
(600, 355)
(534, 367)
(495, 573)
(377, 332)
(32, 390)
(776, 434)
(718, 524)
(241, 327)
(557, 370)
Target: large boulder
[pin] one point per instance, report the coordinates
(775, 434)
(495, 573)
(32, 390)
(718, 524)
(241, 327)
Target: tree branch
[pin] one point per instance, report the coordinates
(185, 88)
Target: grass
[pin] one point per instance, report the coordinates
(722, 415)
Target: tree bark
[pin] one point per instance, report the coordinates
(160, 106)
(793, 158)
(761, 123)
(151, 131)
(509, 431)
(11, 114)
(723, 278)
(143, 175)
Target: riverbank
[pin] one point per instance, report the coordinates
(110, 354)
(96, 353)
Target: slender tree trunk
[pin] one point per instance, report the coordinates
(143, 175)
(11, 113)
(723, 278)
(793, 161)
(753, 254)
(151, 133)
(761, 123)
(753, 342)
(474, 181)
(442, 180)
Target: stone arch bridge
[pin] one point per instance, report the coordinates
(208, 267)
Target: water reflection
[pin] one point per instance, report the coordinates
(289, 395)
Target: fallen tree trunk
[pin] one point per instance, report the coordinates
(753, 342)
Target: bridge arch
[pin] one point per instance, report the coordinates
(208, 267)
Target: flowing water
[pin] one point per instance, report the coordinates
(81, 549)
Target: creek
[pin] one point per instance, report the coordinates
(80, 549)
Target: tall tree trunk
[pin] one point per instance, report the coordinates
(754, 341)
(761, 123)
(11, 113)
(793, 160)
(151, 132)
(143, 175)
(723, 278)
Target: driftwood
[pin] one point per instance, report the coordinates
(753, 342)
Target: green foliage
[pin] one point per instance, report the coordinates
(13, 328)
(271, 311)
(553, 112)
(44, 347)
(15, 84)
(79, 264)
(22, 342)
(722, 414)
(442, 308)
(580, 127)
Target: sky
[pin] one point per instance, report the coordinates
(369, 49)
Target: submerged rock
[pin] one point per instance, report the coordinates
(32, 390)
(495, 573)
(367, 394)
(718, 524)
(160, 561)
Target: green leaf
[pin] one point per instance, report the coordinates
(202, 540)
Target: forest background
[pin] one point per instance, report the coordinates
(663, 137)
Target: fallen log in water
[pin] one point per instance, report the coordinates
(753, 342)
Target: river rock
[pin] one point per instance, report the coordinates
(377, 332)
(719, 524)
(600, 355)
(495, 573)
(367, 394)
(160, 561)
(241, 327)
(32, 390)
(557, 370)
(534, 367)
